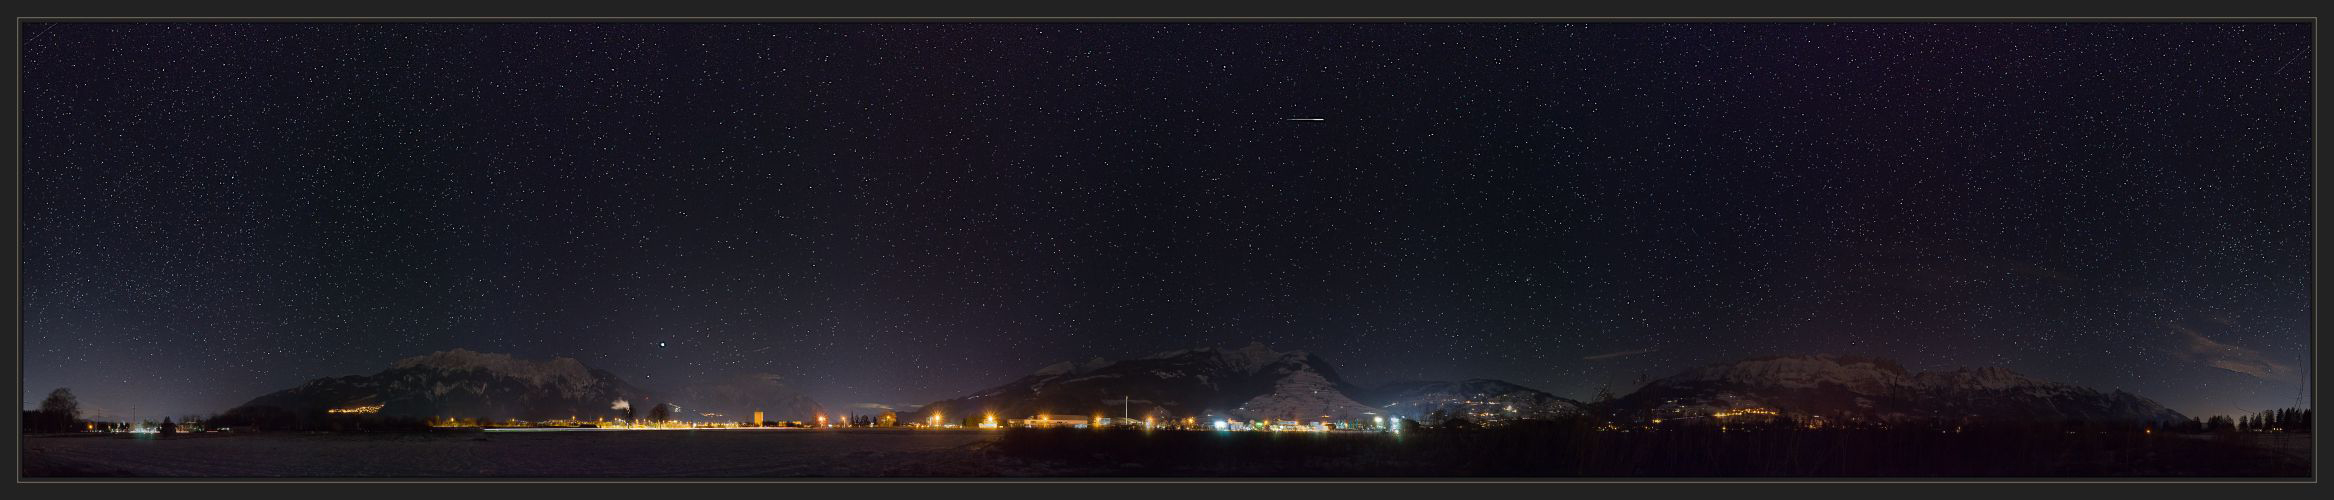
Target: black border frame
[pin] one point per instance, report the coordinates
(1061, 11)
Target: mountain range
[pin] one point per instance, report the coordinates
(1871, 388)
(1250, 382)
(1482, 398)
(465, 384)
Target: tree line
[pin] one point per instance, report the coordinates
(2293, 420)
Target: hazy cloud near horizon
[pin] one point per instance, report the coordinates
(2231, 357)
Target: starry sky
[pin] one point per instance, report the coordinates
(901, 213)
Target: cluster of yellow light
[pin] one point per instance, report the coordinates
(1745, 411)
(357, 409)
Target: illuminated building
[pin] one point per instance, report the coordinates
(757, 419)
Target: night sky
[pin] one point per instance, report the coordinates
(902, 213)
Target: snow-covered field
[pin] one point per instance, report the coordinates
(701, 453)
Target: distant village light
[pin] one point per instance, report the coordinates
(357, 409)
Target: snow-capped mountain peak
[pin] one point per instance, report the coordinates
(1186, 382)
(1255, 357)
(1990, 378)
(1303, 395)
(567, 374)
(1804, 372)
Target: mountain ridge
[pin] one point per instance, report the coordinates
(1249, 382)
(1870, 388)
(460, 383)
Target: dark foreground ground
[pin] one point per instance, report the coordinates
(1791, 454)
(701, 453)
(1086, 453)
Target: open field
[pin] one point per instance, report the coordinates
(1089, 453)
(678, 453)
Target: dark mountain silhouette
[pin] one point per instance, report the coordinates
(1253, 382)
(1880, 389)
(465, 384)
(1478, 398)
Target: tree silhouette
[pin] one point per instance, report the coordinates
(662, 412)
(59, 411)
(1459, 423)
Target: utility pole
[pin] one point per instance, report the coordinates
(2301, 394)
(1126, 408)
